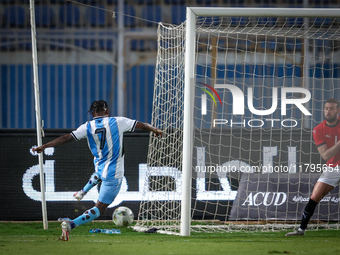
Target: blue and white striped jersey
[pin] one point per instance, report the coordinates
(105, 139)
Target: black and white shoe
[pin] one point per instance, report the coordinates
(299, 232)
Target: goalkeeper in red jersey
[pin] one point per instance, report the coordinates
(327, 139)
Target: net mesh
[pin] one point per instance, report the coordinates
(248, 169)
(162, 189)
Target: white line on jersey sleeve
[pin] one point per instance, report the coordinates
(125, 124)
(80, 133)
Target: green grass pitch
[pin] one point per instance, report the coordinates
(30, 238)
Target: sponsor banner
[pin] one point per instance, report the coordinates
(281, 197)
(68, 168)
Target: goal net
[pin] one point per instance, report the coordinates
(237, 93)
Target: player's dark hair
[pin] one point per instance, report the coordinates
(333, 101)
(98, 106)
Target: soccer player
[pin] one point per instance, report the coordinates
(105, 139)
(327, 139)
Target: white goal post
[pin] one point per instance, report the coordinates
(37, 113)
(284, 61)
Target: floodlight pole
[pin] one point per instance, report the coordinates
(37, 113)
(120, 70)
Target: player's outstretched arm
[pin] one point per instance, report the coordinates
(56, 142)
(148, 127)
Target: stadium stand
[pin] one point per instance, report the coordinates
(96, 17)
(44, 16)
(178, 13)
(152, 12)
(70, 28)
(129, 11)
(69, 15)
(14, 16)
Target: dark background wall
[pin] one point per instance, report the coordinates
(72, 168)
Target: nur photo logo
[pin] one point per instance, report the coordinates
(239, 106)
(204, 98)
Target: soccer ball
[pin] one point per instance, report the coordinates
(122, 216)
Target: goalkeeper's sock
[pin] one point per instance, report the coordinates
(308, 213)
(87, 216)
(93, 181)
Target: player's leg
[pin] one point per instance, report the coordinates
(93, 181)
(68, 225)
(320, 190)
(108, 192)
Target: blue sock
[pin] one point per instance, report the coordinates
(87, 216)
(93, 181)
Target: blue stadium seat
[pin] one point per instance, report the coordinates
(324, 22)
(129, 21)
(28, 46)
(236, 3)
(111, 2)
(7, 1)
(87, 1)
(269, 45)
(106, 45)
(137, 45)
(56, 46)
(293, 44)
(321, 45)
(271, 3)
(44, 16)
(243, 44)
(69, 15)
(7, 44)
(204, 2)
(174, 2)
(12, 44)
(239, 21)
(297, 22)
(14, 16)
(96, 17)
(93, 44)
(221, 44)
(178, 14)
(320, 2)
(164, 45)
(267, 21)
(211, 21)
(88, 44)
(152, 13)
(58, 1)
(148, 2)
(295, 2)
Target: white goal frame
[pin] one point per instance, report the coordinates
(191, 14)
